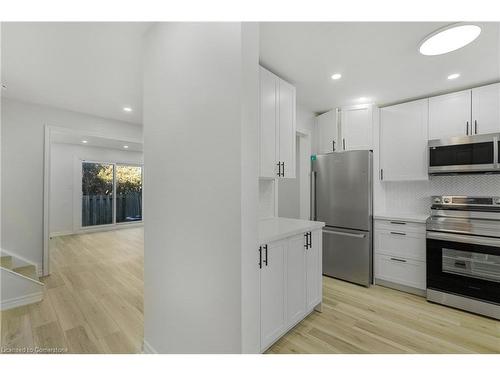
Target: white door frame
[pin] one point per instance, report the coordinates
(305, 147)
(49, 130)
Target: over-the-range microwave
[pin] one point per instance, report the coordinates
(467, 154)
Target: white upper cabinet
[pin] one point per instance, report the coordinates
(287, 137)
(403, 141)
(486, 109)
(327, 131)
(356, 127)
(450, 115)
(277, 126)
(268, 124)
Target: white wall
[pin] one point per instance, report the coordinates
(200, 123)
(22, 167)
(63, 184)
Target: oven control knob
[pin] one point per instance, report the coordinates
(447, 200)
(497, 201)
(437, 200)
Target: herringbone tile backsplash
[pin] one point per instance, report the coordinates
(414, 196)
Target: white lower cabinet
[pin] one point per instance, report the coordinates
(290, 283)
(272, 291)
(400, 253)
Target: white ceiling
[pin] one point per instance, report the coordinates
(379, 61)
(96, 67)
(75, 138)
(87, 67)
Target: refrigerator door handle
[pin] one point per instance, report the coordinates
(313, 196)
(356, 235)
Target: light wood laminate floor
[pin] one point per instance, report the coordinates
(93, 299)
(94, 304)
(381, 320)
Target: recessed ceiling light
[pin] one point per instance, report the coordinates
(127, 109)
(125, 146)
(449, 39)
(336, 76)
(454, 75)
(362, 99)
(85, 141)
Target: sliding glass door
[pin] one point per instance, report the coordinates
(111, 193)
(128, 193)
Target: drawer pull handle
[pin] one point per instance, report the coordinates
(399, 260)
(399, 233)
(398, 222)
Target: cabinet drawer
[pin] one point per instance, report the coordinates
(400, 271)
(400, 225)
(400, 243)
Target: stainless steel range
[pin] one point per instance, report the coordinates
(463, 253)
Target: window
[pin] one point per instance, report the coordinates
(111, 193)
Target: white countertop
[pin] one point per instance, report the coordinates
(277, 228)
(411, 217)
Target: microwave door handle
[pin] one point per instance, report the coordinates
(467, 128)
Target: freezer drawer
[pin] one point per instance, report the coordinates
(347, 255)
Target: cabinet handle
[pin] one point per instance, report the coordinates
(343, 143)
(310, 240)
(283, 173)
(333, 146)
(382, 174)
(265, 260)
(398, 222)
(467, 128)
(399, 233)
(475, 126)
(399, 260)
(306, 245)
(279, 169)
(260, 256)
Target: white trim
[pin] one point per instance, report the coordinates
(21, 276)
(21, 301)
(18, 261)
(63, 233)
(147, 348)
(46, 202)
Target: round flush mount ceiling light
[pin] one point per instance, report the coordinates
(127, 109)
(454, 75)
(449, 38)
(336, 76)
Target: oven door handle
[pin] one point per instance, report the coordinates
(453, 237)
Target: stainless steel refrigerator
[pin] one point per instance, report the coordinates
(341, 196)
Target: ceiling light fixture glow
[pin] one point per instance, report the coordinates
(127, 109)
(454, 75)
(85, 141)
(449, 39)
(336, 76)
(125, 146)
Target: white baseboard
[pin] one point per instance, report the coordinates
(21, 301)
(147, 348)
(63, 233)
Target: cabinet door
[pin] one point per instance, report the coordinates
(272, 293)
(327, 130)
(314, 272)
(450, 115)
(295, 279)
(268, 123)
(403, 141)
(287, 128)
(356, 126)
(486, 109)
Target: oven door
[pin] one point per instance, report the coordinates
(464, 154)
(464, 264)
